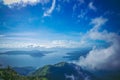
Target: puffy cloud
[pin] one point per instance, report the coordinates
(10, 2)
(91, 6)
(98, 22)
(22, 3)
(102, 58)
(50, 10)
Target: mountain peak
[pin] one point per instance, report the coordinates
(63, 71)
(61, 64)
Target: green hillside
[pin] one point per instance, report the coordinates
(9, 74)
(63, 71)
(60, 71)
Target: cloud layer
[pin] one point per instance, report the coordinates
(102, 58)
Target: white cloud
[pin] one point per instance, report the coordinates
(50, 10)
(65, 43)
(44, 39)
(105, 58)
(91, 6)
(71, 77)
(23, 3)
(98, 22)
(58, 44)
(38, 43)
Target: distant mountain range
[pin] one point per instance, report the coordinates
(33, 53)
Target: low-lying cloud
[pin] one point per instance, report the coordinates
(102, 58)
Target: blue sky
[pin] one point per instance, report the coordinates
(51, 23)
(66, 24)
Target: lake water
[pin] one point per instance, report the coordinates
(27, 60)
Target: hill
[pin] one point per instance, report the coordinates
(63, 71)
(24, 70)
(59, 71)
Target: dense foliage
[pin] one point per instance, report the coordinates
(9, 74)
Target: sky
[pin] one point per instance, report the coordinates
(53, 23)
(64, 24)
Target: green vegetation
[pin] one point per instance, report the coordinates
(61, 71)
(9, 74)
(49, 72)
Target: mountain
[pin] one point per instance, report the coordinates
(63, 71)
(59, 71)
(33, 53)
(10, 74)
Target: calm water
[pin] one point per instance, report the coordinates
(27, 60)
